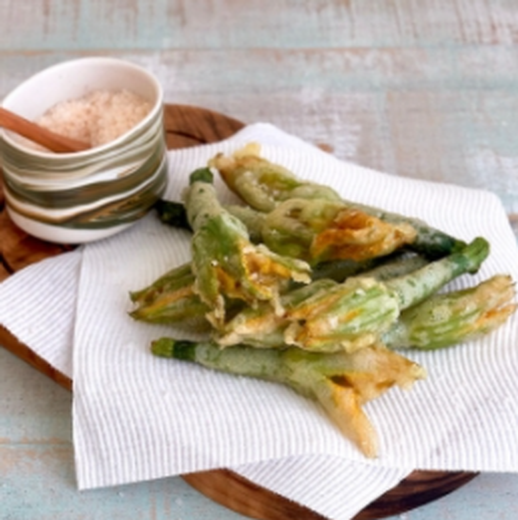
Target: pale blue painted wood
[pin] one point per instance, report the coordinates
(488, 497)
(305, 24)
(37, 480)
(421, 88)
(41, 487)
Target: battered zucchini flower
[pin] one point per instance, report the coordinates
(447, 319)
(263, 185)
(327, 316)
(225, 263)
(320, 230)
(169, 299)
(314, 230)
(342, 383)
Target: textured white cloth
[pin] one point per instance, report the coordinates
(137, 417)
(335, 488)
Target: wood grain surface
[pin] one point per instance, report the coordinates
(187, 126)
(426, 89)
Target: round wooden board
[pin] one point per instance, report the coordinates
(189, 126)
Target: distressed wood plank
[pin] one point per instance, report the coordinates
(229, 70)
(31, 410)
(38, 482)
(97, 25)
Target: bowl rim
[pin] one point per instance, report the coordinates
(156, 109)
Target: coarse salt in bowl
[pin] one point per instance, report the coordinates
(84, 196)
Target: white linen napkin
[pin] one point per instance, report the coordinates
(137, 417)
(175, 417)
(335, 488)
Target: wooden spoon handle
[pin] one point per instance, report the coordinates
(54, 142)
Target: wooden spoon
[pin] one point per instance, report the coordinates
(50, 140)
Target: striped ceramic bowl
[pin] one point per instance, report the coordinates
(84, 196)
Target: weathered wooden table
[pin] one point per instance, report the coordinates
(423, 89)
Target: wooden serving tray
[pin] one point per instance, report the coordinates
(188, 126)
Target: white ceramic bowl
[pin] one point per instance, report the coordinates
(84, 196)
